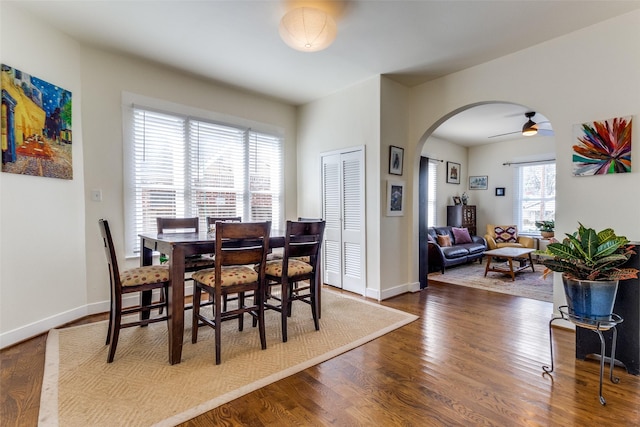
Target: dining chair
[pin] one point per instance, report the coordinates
(184, 225)
(302, 239)
(241, 251)
(142, 280)
(211, 220)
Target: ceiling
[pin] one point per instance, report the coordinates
(236, 42)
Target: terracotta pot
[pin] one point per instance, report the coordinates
(591, 299)
(547, 234)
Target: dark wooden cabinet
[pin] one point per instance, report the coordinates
(627, 306)
(462, 216)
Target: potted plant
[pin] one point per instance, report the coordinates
(590, 263)
(546, 228)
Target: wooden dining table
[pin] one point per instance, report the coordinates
(178, 246)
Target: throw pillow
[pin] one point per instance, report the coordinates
(461, 235)
(506, 233)
(444, 240)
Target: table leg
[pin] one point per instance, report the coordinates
(531, 263)
(486, 269)
(513, 275)
(176, 304)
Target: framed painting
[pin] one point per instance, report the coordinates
(602, 147)
(396, 158)
(478, 182)
(499, 191)
(36, 126)
(453, 173)
(395, 198)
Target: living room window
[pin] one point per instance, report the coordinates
(180, 166)
(535, 195)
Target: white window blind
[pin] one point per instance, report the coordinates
(536, 195)
(185, 167)
(432, 185)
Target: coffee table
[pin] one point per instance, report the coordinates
(522, 254)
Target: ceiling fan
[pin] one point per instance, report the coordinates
(530, 128)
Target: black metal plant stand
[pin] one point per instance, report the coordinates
(597, 326)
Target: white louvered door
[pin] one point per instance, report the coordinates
(343, 209)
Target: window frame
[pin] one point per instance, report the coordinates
(133, 102)
(519, 196)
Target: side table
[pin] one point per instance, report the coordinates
(597, 326)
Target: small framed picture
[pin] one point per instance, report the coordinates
(396, 157)
(457, 200)
(499, 191)
(478, 182)
(395, 198)
(453, 173)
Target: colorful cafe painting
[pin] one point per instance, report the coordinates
(36, 126)
(603, 147)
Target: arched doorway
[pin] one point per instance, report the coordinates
(468, 128)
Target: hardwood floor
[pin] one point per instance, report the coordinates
(473, 358)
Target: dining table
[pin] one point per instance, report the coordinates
(179, 246)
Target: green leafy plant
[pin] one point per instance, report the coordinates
(590, 255)
(546, 225)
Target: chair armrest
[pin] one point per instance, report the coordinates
(527, 242)
(436, 257)
(491, 243)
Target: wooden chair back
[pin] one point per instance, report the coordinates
(178, 225)
(303, 239)
(242, 243)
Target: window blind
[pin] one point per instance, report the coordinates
(184, 167)
(432, 176)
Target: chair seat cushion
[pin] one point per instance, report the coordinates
(143, 275)
(509, 245)
(296, 268)
(230, 275)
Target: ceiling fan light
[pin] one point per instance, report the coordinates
(530, 128)
(308, 29)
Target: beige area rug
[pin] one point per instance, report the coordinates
(140, 388)
(528, 284)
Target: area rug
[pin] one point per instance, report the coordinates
(528, 284)
(140, 388)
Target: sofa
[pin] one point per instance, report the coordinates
(449, 246)
(503, 236)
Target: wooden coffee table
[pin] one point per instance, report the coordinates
(522, 254)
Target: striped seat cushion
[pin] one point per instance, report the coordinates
(230, 275)
(143, 275)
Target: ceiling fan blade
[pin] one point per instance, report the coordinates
(545, 132)
(504, 134)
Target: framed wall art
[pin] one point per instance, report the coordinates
(602, 147)
(499, 191)
(396, 157)
(478, 182)
(395, 198)
(453, 173)
(36, 126)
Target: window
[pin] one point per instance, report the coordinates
(431, 193)
(536, 195)
(181, 166)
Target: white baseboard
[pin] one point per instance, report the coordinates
(392, 292)
(41, 326)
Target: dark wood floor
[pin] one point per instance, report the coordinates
(473, 358)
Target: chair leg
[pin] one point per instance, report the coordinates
(163, 298)
(284, 307)
(115, 334)
(241, 315)
(110, 328)
(261, 326)
(197, 295)
(218, 329)
(314, 302)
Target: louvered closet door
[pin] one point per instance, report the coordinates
(343, 209)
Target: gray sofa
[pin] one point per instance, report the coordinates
(458, 253)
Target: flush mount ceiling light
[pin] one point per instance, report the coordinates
(530, 128)
(308, 29)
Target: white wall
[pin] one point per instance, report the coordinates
(42, 268)
(488, 160)
(52, 259)
(568, 89)
(346, 119)
(447, 151)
